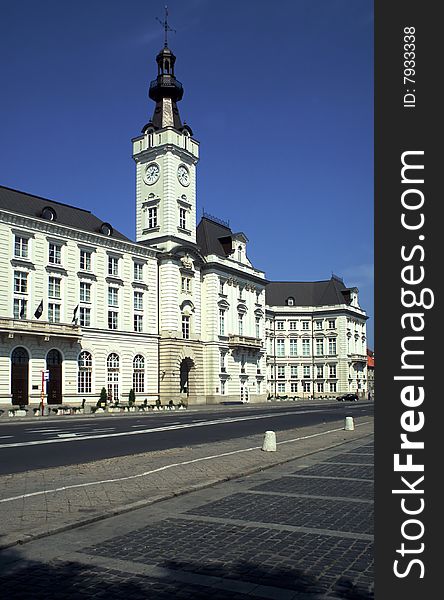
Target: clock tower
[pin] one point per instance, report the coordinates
(166, 156)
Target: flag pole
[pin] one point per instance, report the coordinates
(43, 392)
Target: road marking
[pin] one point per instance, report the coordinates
(166, 467)
(67, 435)
(2, 437)
(155, 429)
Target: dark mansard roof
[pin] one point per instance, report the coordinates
(63, 214)
(308, 293)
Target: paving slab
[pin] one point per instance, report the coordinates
(236, 539)
(38, 503)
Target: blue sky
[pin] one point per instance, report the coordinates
(280, 96)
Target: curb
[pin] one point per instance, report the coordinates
(119, 510)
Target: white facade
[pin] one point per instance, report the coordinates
(82, 279)
(316, 351)
(179, 314)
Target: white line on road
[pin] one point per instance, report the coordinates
(165, 467)
(155, 429)
(2, 437)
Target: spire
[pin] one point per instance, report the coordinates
(165, 90)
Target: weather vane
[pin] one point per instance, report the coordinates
(166, 26)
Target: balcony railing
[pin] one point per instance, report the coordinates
(41, 328)
(358, 357)
(242, 341)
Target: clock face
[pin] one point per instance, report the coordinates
(183, 175)
(151, 173)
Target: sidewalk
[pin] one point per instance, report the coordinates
(296, 531)
(37, 503)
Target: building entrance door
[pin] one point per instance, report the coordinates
(20, 376)
(54, 386)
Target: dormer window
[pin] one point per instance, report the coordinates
(49, 213)
(239, 254)
(290, 301)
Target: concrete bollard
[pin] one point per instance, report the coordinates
(349, 424)
(269, 444)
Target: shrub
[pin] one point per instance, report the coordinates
(131, 397)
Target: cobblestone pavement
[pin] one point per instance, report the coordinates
(299, 530)
(36, 503)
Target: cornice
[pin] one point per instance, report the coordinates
(50, 228)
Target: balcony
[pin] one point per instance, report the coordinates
(242, 341)
(12, 327)
(358, 357)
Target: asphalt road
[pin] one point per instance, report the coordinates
(32, 445)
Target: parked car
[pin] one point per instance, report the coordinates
(350, 397)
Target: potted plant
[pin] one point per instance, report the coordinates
(131, 400)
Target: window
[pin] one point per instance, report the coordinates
(138, 300)
(20, 308)
(333, 386)
(152, 217)
(293, 387)
(85, 291)
(84, 375)
(332, 371)
(294, 371)
(319, 346)
(293, 347)
(319, 371)
(186, 285)
(20, 247)
(55, 254)
(20, 282)
(241, 291)
(258, 387)
(185, 327)
(241, 323)
(331, 323)
(138, 323)
(222, 387)
(221, 286)
(281, 372)
(320, 386)
(306, 387)
(113, 296)
(113, 367)
(85, 317)
(290, 301)
(138, 271)
(221, 322)
(222, 362)
(113, 266)
(182, 218)
(305, 325)
(54, 287)
(53, 313)
(85, 260)
(318, 325)
(293, 324)
(280, 325)
(305, 347)
(112, 319)
(139, 374)
(332, 345)
(306, 371)
(258, 327)
(281, 387)
(239, 254)
(280, 347)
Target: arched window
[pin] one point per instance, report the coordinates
(113, 367)
(290, 301)
(84, 373)
(139, 373)
(239, 254)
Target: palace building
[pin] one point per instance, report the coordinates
(179, 313)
